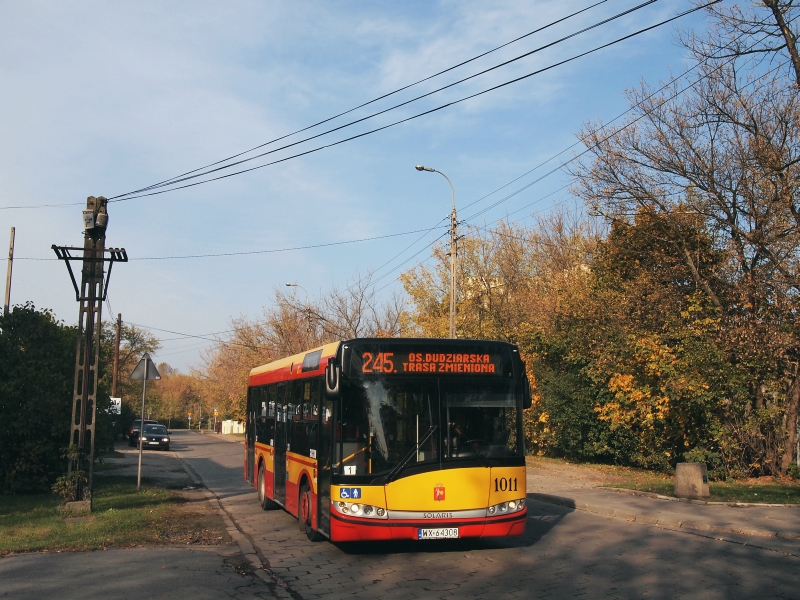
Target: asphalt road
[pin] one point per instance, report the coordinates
(565, 553)
(136, 574)
(153, 573)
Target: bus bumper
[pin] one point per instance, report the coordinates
(353, 529)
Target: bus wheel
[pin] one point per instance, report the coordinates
(265, 502)
(304, 514)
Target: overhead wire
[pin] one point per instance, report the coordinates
(328, 119)
(638, 104)
(386, 110)
(386, 95)
(424, 113)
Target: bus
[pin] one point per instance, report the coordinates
(392, 438)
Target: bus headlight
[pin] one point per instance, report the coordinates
(511, 506)
(360, 510)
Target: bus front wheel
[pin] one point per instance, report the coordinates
(265, 502)
(304, 514)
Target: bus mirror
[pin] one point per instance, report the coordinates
(333, 376)
(527, 401)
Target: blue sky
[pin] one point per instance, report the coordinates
(102, 98)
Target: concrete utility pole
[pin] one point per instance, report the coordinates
(115, 374)
(453, 249)
(90, 295)
(6, 306)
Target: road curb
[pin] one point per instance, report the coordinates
(660, 522)
(693, 501)
(223, 436)
(279, 588)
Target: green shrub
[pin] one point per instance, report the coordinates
(37, 359)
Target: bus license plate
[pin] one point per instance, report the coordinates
(438, 533)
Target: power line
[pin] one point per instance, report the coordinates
(328, 119)
(638, 104)
(424, 113)
(179, 179)
(405, 87)
(274, 250)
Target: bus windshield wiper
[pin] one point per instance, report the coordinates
(392, 475)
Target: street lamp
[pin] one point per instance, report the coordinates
(453, 239)
(308, 306)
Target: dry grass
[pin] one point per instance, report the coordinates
(121, 518)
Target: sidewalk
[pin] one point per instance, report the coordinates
(569, 487)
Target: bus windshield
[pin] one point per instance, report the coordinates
(389, 420)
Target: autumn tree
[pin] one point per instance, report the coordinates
(134, 342)
(288, 327)
(725, 150)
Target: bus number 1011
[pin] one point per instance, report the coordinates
(505, 484)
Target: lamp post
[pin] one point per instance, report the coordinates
(453, 249)
(308, 306)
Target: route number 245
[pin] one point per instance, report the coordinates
(381, 363)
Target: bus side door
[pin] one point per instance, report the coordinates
(326, 420)
(250, 432)
(281, 424)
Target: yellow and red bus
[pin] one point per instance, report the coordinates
(378, 439)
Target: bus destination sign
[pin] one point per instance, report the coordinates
(420, 362)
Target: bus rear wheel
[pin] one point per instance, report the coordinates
(304, 507)
(265, 502)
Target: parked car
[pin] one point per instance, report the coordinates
(133, 434)
(155, 436)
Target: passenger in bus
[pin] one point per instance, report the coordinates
(459, 437)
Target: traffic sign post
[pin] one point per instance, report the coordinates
(145, 371)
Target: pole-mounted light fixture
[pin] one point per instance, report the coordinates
(453, 240)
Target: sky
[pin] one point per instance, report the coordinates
(103, 98)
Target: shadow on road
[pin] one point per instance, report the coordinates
(542, 518)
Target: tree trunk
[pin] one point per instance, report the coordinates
(791, 41)
(792, 412)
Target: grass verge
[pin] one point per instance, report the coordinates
(766, 490)
(121, 518)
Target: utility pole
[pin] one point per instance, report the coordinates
(115, 374)
(116, 408)
(6, 306)
(453, 248)
(90, 295)
(453, 254)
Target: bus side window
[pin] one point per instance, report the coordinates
(271, 398)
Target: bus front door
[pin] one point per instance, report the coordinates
(250, 433)
(281, 424)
